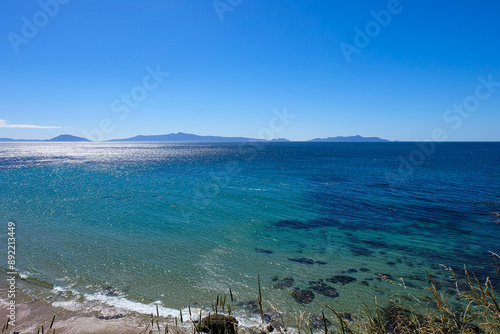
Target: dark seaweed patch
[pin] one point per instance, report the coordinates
(304, 225)
(360, 250)
(295, 224)
(344, 279)
(325, 291)
(409, 264)
(265, 251)
(302, 296)
(317, 322)
(303, 260)
(286, 282)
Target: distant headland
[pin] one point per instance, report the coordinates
(60, 138)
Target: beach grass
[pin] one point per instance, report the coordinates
(478, 310)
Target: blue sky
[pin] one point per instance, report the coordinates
(233, 64)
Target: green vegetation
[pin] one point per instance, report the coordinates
(477, 312)
(38, 281)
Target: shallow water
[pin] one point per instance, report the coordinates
(178, 223)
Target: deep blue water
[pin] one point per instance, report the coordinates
(181, 222)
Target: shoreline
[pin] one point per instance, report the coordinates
(72, 312)
(32, 314)
(75, 313)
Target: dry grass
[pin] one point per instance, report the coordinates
(480, 310)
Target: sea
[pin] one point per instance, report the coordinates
(174, 224)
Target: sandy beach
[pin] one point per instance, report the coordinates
(33, 313)
(36, 306)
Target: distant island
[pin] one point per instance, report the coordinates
(68, 138)
(351, 139)
(187, 137)
(61, 138)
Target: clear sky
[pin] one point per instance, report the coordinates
(392, 69)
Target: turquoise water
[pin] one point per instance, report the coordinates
(178, 223)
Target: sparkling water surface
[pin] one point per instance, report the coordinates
(180, 222)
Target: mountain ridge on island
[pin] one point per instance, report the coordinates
(187, 137)
(60, 138)
(350, 139)
(68, 138)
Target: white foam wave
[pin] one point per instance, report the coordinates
(94, 302)
(73, 305)
(129, 305)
